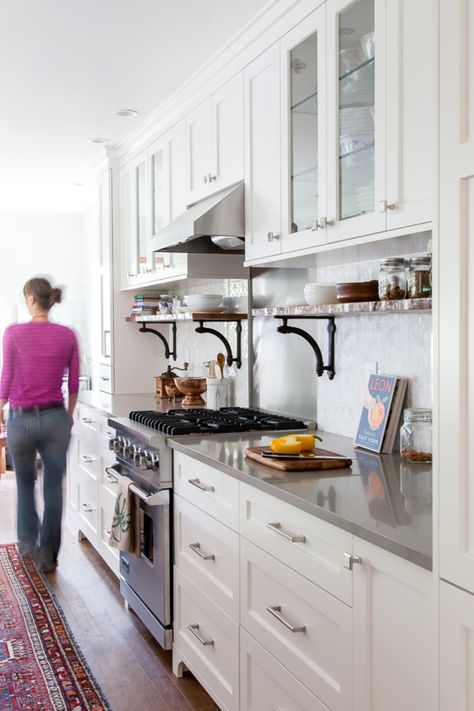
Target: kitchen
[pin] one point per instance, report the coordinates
(311, 144)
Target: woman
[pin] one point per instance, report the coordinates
(35, 356)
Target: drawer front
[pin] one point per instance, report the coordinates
(310, 546)
(265, 685)
(88, 459)
(88, 505)
(305, 628)
(207, 640)
(208, 552)
(110, 555)
(212, 491)
(87, 418)
(106, 378)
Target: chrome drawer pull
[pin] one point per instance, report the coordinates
(109, 434)
(87, 508)
(349, 560)
(275, 610)
(277, 528)
(110, 477)
(195, 630)
(87, 420)
(200, 485)
(87, 458)
(196, 547)
(108, 532)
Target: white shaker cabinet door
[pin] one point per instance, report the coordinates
(410, 112)
(228, 133)
(394, 633)
(456, 294)
(457, 649)
(262, 155)
(199, 151)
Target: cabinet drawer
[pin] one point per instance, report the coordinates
(106, 378)
(212, 491)
(306, 629)
(110, 555)
(265, 685)
(86, 419)
(207, 641)
(88, 459)
(310, 546)
(88, 505)
(208, 552)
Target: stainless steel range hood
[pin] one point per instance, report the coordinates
(213, 225)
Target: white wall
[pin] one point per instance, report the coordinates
(49, 244)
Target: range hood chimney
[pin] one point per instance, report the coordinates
(213, 225)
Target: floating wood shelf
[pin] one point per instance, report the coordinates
(354, 308)
(223, 316)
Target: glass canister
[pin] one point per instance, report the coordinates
(416, 435)
(419, 277)
(392, 279)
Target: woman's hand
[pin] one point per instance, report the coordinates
(2, 417)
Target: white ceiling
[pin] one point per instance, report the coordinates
(66, 65)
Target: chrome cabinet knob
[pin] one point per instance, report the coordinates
(323, 222)
(204, 178)
(211, 178)
(271, 236)
(384, 206)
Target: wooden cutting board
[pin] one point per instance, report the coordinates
(298, 465)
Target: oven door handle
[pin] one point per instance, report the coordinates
(159, 498)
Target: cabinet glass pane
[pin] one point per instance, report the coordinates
(141, 217)
(304, 134)
(356, 109)
(159, 192)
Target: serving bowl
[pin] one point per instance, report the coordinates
(317, 294)
(203, 301)
(193, 389)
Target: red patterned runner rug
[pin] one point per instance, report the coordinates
(41, 665)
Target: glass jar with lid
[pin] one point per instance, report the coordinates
(392, 279)
(416, 435)
(419, 277)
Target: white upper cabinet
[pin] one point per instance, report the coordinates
(262, 155)
(104, 226)
(303, 132)
(214, 141)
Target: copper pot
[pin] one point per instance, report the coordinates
(173, 392)
(192, 388)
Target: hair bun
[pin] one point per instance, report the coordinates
(56, 295)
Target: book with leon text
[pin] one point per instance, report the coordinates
(375, 412)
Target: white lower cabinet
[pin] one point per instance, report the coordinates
(457, 648)
(207, 641)
(90, 490)
(307, 630)
(265, 684)
(394, 633)
(327, 621)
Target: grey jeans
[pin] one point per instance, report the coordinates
(47, 432)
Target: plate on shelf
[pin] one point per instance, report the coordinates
(193, 309)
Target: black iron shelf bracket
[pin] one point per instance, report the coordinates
(331, 328)
(238, 329)
(168, 352)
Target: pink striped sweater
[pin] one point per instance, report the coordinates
(35, 357)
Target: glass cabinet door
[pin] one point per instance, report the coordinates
(160, 189)
(141, 183)
(356, 117)
(304, 107)
(356, 110)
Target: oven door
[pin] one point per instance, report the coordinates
(147, 576)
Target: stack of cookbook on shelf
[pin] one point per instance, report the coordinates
(381, 410)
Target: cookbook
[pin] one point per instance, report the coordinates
(380, 414)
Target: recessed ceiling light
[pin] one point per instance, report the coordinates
(125, 113)
(100, 140)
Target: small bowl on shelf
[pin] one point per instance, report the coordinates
(319, 294)
(357, 291)
(193, 389)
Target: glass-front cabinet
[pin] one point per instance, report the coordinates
(303, 65)
(356, 119)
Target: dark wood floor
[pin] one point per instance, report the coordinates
(132, 669)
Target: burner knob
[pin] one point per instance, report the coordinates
(136, 452)
(142, 462)
(115, 444)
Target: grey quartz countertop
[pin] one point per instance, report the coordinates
(122, 405)
(381, 498)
